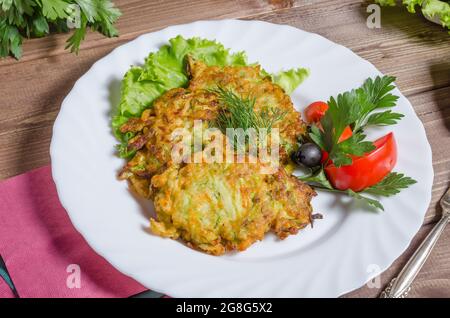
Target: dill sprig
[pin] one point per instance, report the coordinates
(239, 112)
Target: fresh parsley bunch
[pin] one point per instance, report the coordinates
(21, 19)
(369, 105)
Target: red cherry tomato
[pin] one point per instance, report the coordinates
(366, 170)
(315, 111)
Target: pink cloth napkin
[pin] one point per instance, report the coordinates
(43, 251)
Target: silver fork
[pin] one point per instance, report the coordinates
(401, 285)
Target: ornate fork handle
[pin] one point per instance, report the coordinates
(401, 285)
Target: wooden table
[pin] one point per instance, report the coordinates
(407, 46)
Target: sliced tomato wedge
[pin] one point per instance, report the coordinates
(347, 133)
(366, 170)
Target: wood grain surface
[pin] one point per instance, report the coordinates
(407, 46)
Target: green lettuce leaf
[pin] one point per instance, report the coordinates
(433, 8)
(390, 3)
(411, 4)
(289, 80)
(167, 64)
(429, 8)
(135, 97)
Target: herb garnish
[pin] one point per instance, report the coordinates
(392, 184)
(239, 112)
(359, 108)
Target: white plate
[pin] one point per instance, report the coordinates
(343, 251)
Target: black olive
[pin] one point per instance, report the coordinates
(308, 154)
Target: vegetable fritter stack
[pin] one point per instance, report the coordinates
(217, 207)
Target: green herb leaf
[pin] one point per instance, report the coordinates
(17, 11)
(384, 118)
(74, 42)
(370, 201)
(317, 178)
(355, 145)
(343, 111)
(89, 8)
(101, 14)
(378, 91)
(316, 136)
(137, 168)
(392, 184)
(39, 26)
(374, 95)
(10, 40)
(54, 9)
(35, 18)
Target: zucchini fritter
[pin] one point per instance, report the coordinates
(219, 207)
(178, 108)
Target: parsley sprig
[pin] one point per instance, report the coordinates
(391, 185)
(368, 105)
(21, 19)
